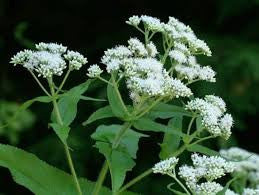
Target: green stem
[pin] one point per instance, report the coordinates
(63, 81)
(105, 169)
(135, 180)
(190, 125)
(150, 107)
(101, 178)
(104, 80)
(59, 120)
(41, 86)
(119, 95)
(180, 183)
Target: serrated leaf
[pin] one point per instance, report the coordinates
(171, 142)
(41, 178)
(202, 149)
(116, 102)
(120, 160)
(27, 104)
(146, 124)
(105, 112)
(61, 131)
(67, 104)
(165, 111)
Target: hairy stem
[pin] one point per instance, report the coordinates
(59, 120)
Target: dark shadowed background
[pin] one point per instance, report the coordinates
(230, 27)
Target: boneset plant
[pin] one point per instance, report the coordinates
(157, 74)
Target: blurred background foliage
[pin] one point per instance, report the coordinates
(231, 28)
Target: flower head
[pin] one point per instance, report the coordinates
(166, 166)
(49, 59)
(94, 71)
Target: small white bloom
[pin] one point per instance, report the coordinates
(22, 57)
(166, 166)
(250, 191)
(208, 188)
(152, 23)
(51, 47)
(76, 60)
(94, 71)
(175, 88)
(152, 50)
(137, 48)
(230, 192)
(134, 21)
(178, 56)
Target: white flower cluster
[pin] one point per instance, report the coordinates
(188, 68)
(175, 30)
(166, 167)
(48, 59)
(144, 74)
(212, 111)
(210, 168)
(76, 60)
(94, 71)
(247, 164)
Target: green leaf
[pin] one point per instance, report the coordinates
(146, 124)
(41, 178)
(116, 102)
(165, 111)
(61, 131)
(198, 123)
(223, 191)
(105, 112)
(27, 104)
(120, 160)
(202, 149)
(170, 141)
(119, 163)
(68, 103)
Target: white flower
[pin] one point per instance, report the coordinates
(152, 23)
(211, 110)
(250, 191)
(46, 64)
(48, 59)
(94, 71)
(166, 166)
(175, 88)
(22, 57)
(216, 101)
(51, 47)
(137, 47)
(206, 73)
(199, 46)
(247, 163)
(76, 60)
(208, 188)
(230, 192)
(178, 56)
(152, 50)
(134, 21)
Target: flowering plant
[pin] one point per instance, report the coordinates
(157, 76)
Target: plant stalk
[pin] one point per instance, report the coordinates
(59, 120)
